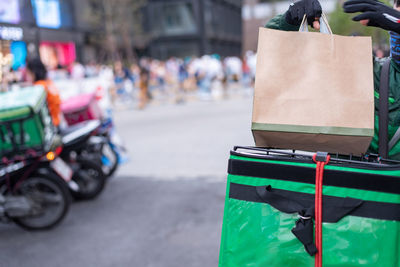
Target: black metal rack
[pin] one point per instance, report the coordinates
(366, 161)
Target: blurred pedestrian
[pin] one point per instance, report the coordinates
(161, 75)
(135, 73)
(246, 75)
(251, 59)
(36, 73)
(123, 82)
(77, 71)
(183, 75)
(91, 70)
(143, 88)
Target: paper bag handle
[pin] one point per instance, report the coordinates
(323, 22)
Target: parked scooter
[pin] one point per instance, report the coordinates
(105, 144)
(112, 150)
(33, 190)
(33, 179)
(77, 152)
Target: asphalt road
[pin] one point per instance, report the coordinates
(163, 208)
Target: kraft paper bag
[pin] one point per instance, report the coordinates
(313, 92)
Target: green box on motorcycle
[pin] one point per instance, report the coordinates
(25, 122)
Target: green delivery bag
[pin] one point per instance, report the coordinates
(25, 122)
(269, 211)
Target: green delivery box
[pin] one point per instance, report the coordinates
(25, 122)
(269, 212)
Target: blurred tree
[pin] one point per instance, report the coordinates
(122, 20)
(342, 23)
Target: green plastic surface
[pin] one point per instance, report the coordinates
(16, 104)
(17, 107)
(256, 234)
(33, 133)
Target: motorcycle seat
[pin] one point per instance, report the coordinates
(79, 130)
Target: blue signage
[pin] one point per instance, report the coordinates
(19, 52)
(47, 13)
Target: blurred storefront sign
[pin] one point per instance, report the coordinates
(12, 48)
(45, 28)
(12, 54)
(47, 13)
(55, 54)
(11, 33)
(9, 11)
(19, 52)
(57, 37)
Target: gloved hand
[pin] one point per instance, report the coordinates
(376, 13)
(296, 11)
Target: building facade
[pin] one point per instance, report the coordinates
(49, 28)
(193, 28)
(63, 31)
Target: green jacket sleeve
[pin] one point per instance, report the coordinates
(279, 23)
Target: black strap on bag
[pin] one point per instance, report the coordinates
(304, 230)
(384, 110)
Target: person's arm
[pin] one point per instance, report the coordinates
(279, 23)
(375, 14)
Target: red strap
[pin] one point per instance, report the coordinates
(318, 207)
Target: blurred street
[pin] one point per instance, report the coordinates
(162, 208)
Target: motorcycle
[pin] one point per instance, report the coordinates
(33, 179)
(85, 163)
(106, 142)
(34, 189)
(112, 149)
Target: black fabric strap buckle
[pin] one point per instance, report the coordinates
(304, 230)
(305, 217)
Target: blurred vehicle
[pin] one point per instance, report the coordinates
(81, 108)
(112, 148)
(33, 179)
(105, 145)
(34, 191)
(85, 162)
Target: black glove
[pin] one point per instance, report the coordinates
(378, 14)
(296, 11)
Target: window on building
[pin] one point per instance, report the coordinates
(175, 19)
(66, 13)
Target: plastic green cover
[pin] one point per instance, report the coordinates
(16, 104)
(256, 234)
(25, 108)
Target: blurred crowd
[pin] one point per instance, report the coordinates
(207, 77)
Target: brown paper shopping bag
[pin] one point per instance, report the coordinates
(313, 91)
